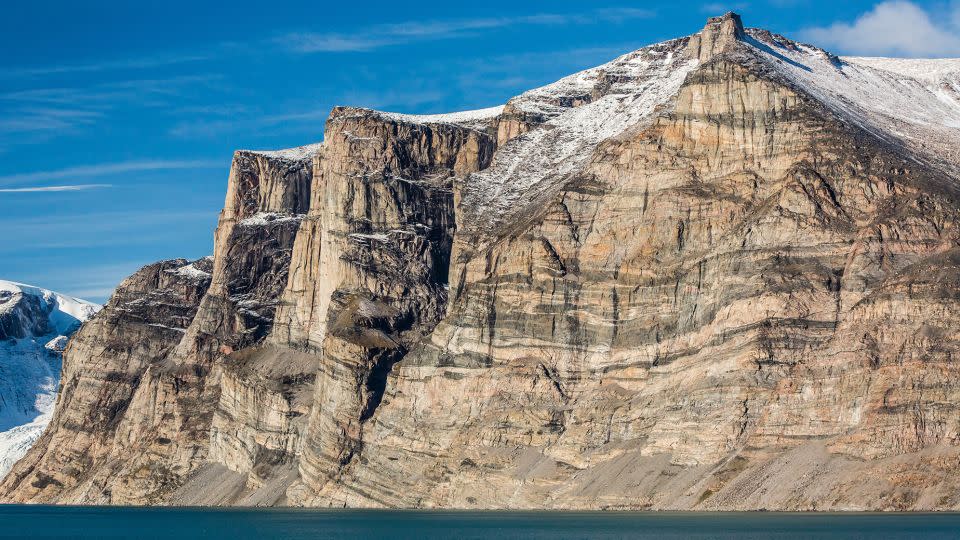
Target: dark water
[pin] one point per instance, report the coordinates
(209, 524)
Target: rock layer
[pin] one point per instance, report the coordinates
(712, 274)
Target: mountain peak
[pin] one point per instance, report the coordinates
(719, 34)
(29, 311)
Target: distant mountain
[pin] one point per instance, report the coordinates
(35, 325)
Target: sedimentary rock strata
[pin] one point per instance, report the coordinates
(719, 272)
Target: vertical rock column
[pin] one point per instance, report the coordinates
(369, 276)
(267, 194)
(164, 433)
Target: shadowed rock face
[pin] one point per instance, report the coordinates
(29, 318)
(745, 298)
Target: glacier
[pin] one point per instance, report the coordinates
(35, 325)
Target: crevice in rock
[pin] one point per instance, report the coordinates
(376, 383)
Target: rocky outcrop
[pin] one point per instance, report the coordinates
(370, 266)
(644, 342)
(158, 424)
(720, 35)
(132, 334)
(25, 316)
(716, 273)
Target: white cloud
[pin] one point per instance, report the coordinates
(41, 189)
(47, 233)
(384, 35)
(105, 169)
(895, 28)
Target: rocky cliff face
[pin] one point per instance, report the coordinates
(719, 272)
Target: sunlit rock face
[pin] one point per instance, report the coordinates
(719, 272)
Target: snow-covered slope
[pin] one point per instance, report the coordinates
(575, 113)
(910, 102)
(34, 325)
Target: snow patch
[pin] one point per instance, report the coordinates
(921, 69)
(300, 153)
(912, 102)
(461, 117)
(357, 237)
(190, 271)
(57, 344)
(267, 218)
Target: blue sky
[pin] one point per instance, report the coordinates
(118, 119)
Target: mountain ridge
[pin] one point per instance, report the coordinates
(716, 273)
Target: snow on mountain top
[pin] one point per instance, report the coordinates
(57, 344)
(912, 102)
(65, 311)
(922, 69)
(461, 117)
(578, 112)
(299, 153)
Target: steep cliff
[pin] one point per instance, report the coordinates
(719, 272)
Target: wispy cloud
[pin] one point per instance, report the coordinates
(40, 114)
(308, 117)
(109, 93)
(46, 119)
(107, 169)
(385, 35)
(895, 28)
(119, 64)
(43, 189)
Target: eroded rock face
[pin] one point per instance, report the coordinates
(681, 314)
(103, 369)
(159, 425)
(372, 258)
(691, 278)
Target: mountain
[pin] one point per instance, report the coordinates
(719, 272)
(34, 328)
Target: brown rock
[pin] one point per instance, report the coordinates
(691, 278)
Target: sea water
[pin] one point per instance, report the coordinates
(215, 524)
